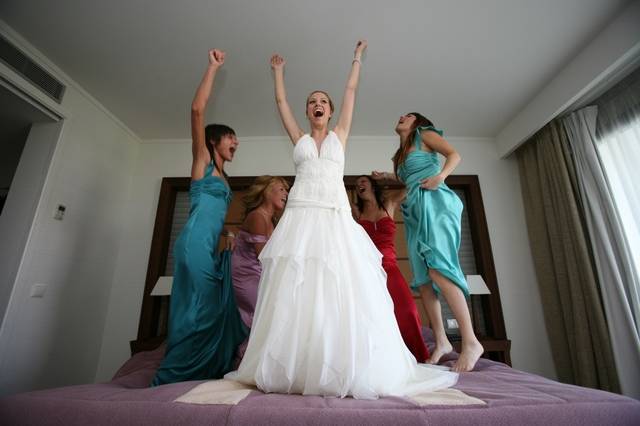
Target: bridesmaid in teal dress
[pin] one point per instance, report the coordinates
(432, 214)
(204, 323)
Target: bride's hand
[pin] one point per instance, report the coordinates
(360, 48)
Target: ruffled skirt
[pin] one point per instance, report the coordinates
(324, 322)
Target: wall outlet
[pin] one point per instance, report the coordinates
(38, 290)
(452, 323)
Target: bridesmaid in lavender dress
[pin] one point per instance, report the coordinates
(264, 202)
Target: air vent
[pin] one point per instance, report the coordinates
(31, 71)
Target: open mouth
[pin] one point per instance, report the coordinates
(361, 190)
(318, 113)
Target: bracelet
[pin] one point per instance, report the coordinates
(356, 60)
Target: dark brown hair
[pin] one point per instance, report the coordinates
(213, 134)
(377, 194)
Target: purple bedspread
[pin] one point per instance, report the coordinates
(513, 398)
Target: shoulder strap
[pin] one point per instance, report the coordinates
(418, 138)
(209, 169)
(215, 167)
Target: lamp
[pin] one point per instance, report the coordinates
(162, 287)
(477, 286)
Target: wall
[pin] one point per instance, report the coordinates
(22, 202)
(55, 340)
(502, 199)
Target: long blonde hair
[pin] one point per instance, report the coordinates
(255, 195)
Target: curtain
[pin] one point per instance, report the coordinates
(607, 170)
(572, 306)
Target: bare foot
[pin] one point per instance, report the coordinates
(469, 355)
(440, 350)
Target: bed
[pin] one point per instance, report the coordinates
(504, 396)
(493, 394)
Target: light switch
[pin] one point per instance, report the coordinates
(38, 290)
(59, 213)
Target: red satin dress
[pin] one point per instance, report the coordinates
(382, 234)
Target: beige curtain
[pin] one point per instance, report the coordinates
(613, 258)
(572, 307)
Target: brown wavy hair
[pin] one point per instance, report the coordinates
(405, 145)
(255, 195)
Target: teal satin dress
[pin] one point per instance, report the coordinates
(205, 327)
(432, 219)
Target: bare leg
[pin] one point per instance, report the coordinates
(471, 347)
(434, 312)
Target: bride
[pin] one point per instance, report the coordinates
(324, 322)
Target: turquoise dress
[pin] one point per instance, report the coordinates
(432, 219)
(205, 327)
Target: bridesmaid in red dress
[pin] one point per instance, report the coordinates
(375, 213)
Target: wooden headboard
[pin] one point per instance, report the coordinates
(154, 311)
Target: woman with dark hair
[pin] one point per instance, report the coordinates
(264, 202)
(432, 216)
(324, 322)
(375, 212)
(204, 324)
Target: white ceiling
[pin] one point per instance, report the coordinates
(469, 65)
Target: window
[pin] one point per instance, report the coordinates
(620, 154)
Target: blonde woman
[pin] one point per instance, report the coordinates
(264, 202)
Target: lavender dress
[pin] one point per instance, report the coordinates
(246, 271)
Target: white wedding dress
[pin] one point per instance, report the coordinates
(324, 321)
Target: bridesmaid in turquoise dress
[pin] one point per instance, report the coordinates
(205, 327)
(432, 216)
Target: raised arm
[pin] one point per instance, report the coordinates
(201, 156)
(349, 99)
(286, 115)
(392, 197)
(355, 211)
(379, 176)
(437, 143)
